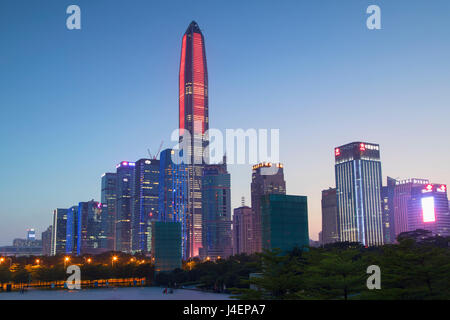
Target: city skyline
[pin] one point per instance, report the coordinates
(60, 176)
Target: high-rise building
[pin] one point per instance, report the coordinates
(329, 217)
(173, 195)
(194, 120)
(402, 194)
(108, 199)
(243, 230)
(89, 219)
(166, 247)
(428, 209)
(59, 231)
(46, 237)
(267, 178)
(358, 189)
(284, 222)
(145, 203)
(124, 192)
(73, 232)
(216, 196)
(387, 206)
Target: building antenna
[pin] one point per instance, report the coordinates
(243, 201)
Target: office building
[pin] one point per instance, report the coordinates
(216, 221)
(145, 203)
(387, 206)
(124, 192)
(108, 200)
(46, 237)
(59, 231)
(243, 230)
(284, 222)
(358, 189)
(166, 245)
(267, 178)
(329, 217)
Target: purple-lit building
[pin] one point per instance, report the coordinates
(428, 209)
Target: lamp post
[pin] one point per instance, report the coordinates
(66, 260)
(114, 259)
(2, 259)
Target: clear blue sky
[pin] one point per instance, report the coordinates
(75, 103)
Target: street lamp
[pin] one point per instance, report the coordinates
(38, 261)
(114, 259)
(2, 259)
(66, 260)
(89, 260)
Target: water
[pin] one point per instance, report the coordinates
(141, 293)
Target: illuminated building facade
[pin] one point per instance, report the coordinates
(125, 183)
(145, 203)
(329, 217)
(402, 195)
(173, 195)
(59, 231)
(267, 178)
(284, 222)
(90, 227)
(73, 232)
(193, 119)
(108, 199)
(358, 189)
(46, 237)
(428, 209)
(216, 196)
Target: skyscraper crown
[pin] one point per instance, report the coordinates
(193, 27)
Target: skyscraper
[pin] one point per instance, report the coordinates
(329, 217)
(59, 231)
(31, 234)
(193, 119)
(108, 199)
(216, 196)
(402, 194)
(73, 232)
(166, 246)
(173, 194)
(267, 178)
(284, 222)
(91, 233)
(145, 203)
(358, 189)
(124, 189)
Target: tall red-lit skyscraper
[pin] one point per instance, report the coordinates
(193, 118)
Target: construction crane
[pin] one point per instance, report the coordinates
(155, 156)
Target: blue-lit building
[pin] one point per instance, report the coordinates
(358, 190)
(73, 231)
(216, 218)
(173, 195)
(108, 200)
(124, 188)
(145, 203)
(59, 231)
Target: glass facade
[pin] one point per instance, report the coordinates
(108, 199)
(166, 246)
(59, 231)
(125, 183)
(216, 224)
(145, 203)
(284, 222)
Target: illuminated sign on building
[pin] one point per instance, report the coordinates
(428, 212)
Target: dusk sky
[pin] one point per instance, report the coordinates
(76, 103)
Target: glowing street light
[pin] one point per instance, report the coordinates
(114, 259)
(66, 260)
(89, 260)
(2, 259)
(38, 261)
